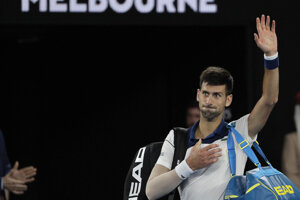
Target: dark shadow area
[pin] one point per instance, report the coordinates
(77, 102)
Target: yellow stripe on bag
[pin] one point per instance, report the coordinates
(231, 196)
(252, 187)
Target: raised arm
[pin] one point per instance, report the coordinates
(266, 40)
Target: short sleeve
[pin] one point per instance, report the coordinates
(241, 125)
(167, 151)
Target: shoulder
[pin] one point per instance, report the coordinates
(291, 136)
(170, 137)
(241, 125)
(176, 132)
(241, 122)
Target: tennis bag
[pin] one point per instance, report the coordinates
(143, 162)
(261, 183)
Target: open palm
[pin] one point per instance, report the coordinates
(265, 37)
(25, 174)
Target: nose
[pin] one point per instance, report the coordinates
(208, 100)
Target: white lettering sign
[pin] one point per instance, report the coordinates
(122, 6)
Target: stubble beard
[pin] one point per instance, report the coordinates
(210, 115)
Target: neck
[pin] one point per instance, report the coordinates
(207, 127)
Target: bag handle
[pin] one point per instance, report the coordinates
(261, 153)
(256, 146)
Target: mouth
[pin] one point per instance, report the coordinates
(208, 107)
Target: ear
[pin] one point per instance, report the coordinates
(228, 100)
(198, 95)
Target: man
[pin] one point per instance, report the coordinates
(192, 114)
(13, 179)
(205, 173)
(291, 149)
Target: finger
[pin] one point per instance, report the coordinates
(29, 180)
(28, 171)
(22, 187)
(14, 181)
(197, 145)
(211, 146)
(263, 22)
(19, 187)
(256, 39)
(27, 168)
(268, 23)
(17, 192)
(16, 165)
(216, 155)
(211, 161)
(273, 26)
(30, 175)
(258, 25)
(213, 151)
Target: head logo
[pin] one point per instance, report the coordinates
(284, 189)
(135, 186)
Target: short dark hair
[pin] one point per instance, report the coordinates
(217, 76)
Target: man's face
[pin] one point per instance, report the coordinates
(212, 100)
(192, 116)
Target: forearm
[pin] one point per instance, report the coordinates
(270, 86)
(162, 184)
(266, 103)
(6, 193)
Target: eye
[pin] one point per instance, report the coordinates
(217, 95)
(205, 93)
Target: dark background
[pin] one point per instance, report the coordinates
(79, 100)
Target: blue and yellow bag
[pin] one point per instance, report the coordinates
(261, 183)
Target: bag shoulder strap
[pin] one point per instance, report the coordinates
(244, 145)
(261, 153)
(180, 144)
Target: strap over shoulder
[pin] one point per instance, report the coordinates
(244, 145)
(180, 143)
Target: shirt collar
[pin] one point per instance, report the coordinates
(219, 133)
